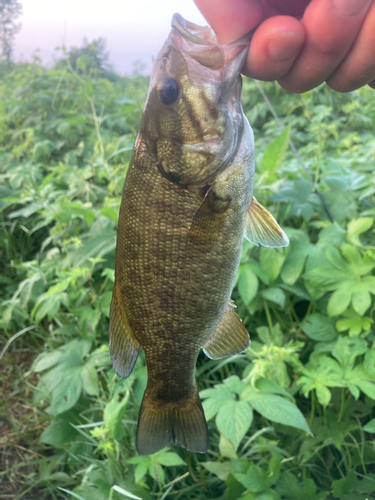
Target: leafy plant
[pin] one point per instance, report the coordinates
(291, 418)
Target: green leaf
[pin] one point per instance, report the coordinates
(215, 399)
(71, 493)
(46, 305)
(47, 360)
(340, 299)
(89, 87)
(235, 384)
(141, 471)
(278, 409)
(369, 363)
(271, 261)
(105, 302)
(266, 385)
(361, 302)
(296, 256)
(357, 227)
(345, 485)
(234, 419)
(297, 290)
(211, 406)
(110, 213)
(90, 380)
(274, 294)
(226, 447)
(368, 387)
(346, 350)
(275, 152)
(125, 493)
(370, 426)
(58, 432)
(323, 394)
(221, 470)
(255, 480)
(170, 459)
(113, 414)
(247, 285)
(67, 391)
(354, 323)
(220, 391)
(319, 328)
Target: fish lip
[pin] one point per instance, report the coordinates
(190, 31)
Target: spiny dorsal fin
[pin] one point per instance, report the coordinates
(123, 346)
(229, 338)
(262, 228)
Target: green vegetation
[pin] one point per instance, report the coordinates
(10, 10)
(294, 417)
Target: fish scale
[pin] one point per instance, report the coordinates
(186, 203)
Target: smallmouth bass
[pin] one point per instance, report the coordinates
(186, 204)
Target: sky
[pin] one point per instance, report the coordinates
(135, 30)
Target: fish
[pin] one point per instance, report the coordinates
(187, 203)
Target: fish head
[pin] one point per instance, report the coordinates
(193, 115)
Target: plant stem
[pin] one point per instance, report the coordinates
(312, 413)
(269, 319)
(342, 405)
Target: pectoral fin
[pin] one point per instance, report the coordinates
(229, 338)
(123, 346)
(208, 220)
(262, 228)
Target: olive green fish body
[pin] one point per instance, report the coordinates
(182, 219)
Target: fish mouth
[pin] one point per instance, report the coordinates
(201, 43)
(203, 35)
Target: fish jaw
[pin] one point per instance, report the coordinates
(197, 135)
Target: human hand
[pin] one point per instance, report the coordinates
(301, 43)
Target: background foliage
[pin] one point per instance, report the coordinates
(291, 418)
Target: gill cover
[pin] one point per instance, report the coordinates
(193, 111)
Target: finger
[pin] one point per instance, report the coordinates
(358, 68)
(274, 48)
(372, 84)
(289, 7)
(231, 19)
(331, 27)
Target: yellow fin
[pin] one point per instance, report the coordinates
(262, 228)
(123, 347)
(229, 338)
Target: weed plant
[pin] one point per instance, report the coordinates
(292, 418)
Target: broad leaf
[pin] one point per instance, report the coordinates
(234, 419)
(277, 409)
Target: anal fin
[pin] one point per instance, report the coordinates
(229, 338)
(262, 228)
(123, 346)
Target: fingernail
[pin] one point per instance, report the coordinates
(350, 7)
(285, 45)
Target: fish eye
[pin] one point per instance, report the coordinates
(168, 91)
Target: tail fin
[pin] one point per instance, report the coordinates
(181, 422)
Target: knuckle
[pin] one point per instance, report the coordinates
(295, 86)
(332, 49)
